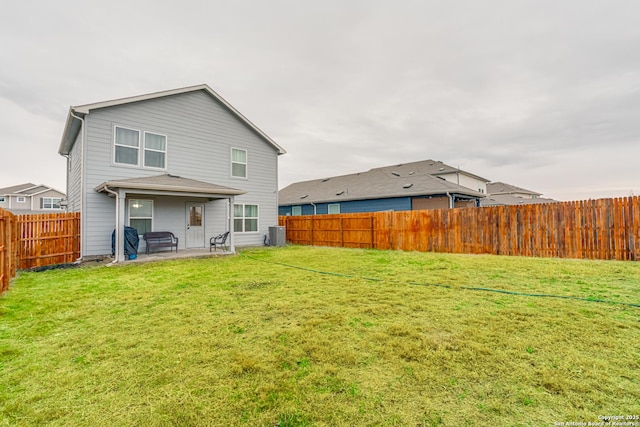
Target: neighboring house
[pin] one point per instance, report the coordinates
(409, 186)
(501, 194)
(31, 199)
(182, 160)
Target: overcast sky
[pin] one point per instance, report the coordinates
(540, 94)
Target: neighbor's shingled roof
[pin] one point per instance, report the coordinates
(411, 179)
(503, 188)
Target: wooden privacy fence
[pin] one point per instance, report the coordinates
(28, 241)
(47, 239)
(9, 243)
(593, 229)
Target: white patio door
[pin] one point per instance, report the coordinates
(195, 225)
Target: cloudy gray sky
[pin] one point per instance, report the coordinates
(540, 94)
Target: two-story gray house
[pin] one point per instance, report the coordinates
(181, 160)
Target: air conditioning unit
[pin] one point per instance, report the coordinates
(277, 235)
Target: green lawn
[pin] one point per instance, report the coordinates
(302, 336)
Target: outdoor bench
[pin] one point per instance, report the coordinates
(160, 239)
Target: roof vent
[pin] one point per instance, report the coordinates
(340, 193)
(326, 179)
(441, 169)
(305, 196)
(395, 173)
(412, 172)
(407, 185)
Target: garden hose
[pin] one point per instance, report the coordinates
(467, 288)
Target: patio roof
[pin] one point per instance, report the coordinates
(168, 184)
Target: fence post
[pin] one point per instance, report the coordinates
(8, 248)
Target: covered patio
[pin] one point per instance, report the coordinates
(192, 210)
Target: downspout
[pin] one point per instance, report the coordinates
(314, 208)
(118, 236)
(451, 200)
(66, 156)
(81, 192)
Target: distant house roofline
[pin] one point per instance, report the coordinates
(504, 188)
(21, 190)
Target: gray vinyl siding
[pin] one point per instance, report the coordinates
(74, 176)
(200, 134)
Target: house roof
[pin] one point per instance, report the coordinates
(509, 199)
(16, 188)
(378, 183)
(167, 183)
(76, 113)
(27, 189)
(434, 167)
(503, 188)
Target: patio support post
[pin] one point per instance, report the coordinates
(120, 208)
(232, 247)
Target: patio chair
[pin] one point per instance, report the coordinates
(219, 240)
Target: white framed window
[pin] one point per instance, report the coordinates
(334, 208)
(296, 210)
(245, 218)
(126, 146)
(238, 163)
(21, 199)
(155, 150)
(141, 215)
(51, 202)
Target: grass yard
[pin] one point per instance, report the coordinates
(251, 340)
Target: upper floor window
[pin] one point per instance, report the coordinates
(51, 202)
(21, 199)
(155, 150)
(238, 163)
(1, 199)
(334, 208)
(127, 146)
(296, 210)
